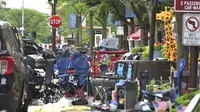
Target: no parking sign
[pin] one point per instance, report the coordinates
(191, 30)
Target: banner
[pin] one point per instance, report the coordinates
(72, 21)
(117, 23)
(110, 18)
(83, 19)
(120, 30)
(128, 13)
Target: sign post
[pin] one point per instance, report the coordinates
(54, 22)
(191, 37)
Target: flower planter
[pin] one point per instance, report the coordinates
(157, 53)
(137, 43)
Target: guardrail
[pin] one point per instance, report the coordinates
(193, 104)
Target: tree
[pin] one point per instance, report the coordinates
(2, 4)
(141, 12)
(91, 4)
(152, 16)
(34, 21)
(79, 8)
(101, 15)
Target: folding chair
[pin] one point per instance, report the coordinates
(79, 80)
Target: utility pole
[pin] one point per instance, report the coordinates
(53, 12)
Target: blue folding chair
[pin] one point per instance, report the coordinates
(81, 67)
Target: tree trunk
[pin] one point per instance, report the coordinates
(152, 15)
(156, 32)
(136, 25)
(131, 31)
(77, 33)
(144, 37)
(120, 45)
(80, 30)
(182, 51)
(91, 32)
(125, 42)
(104, 31)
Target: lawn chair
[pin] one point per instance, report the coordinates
(80, 78)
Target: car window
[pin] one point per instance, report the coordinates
(11, 43)
(18, 38)
(14, 39)
(1, 38)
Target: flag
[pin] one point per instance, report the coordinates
(72, 21)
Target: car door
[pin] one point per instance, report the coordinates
(14, 49)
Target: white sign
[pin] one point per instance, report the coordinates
(191, 31)
(98, 39)
(120, 30)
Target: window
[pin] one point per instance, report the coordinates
(11, 42)
(14, 39)
(1, 38)
(17, 36)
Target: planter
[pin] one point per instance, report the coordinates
(157, 53)
(137, 43)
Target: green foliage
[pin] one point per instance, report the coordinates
(76, 7)
(163, 86)
(136, 49)
(145, 53)
(186, 98)
(145, 50)
(2, 4)
(34, 21)
(163, 51)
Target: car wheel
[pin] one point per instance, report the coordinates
(24, 100)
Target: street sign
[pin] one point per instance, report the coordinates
(191, 31)
(187, 5)
(55, 21)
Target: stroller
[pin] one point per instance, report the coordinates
(74, 74)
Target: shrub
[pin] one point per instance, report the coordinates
(145, 53)
(135, 50)
(185, 99)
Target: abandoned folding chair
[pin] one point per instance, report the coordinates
(79, 80)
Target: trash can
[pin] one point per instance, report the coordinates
(127, 95)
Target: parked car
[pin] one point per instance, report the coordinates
(12, 70)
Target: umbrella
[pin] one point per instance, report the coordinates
(136, 35)
(110, 43)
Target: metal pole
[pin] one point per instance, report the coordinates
(193, 66)
(54, 29)
(22, 18)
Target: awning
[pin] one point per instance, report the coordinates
(136, 35)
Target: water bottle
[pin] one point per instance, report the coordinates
(113, 105)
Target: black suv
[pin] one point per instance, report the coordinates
(12, 69)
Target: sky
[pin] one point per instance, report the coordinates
(39, 5)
